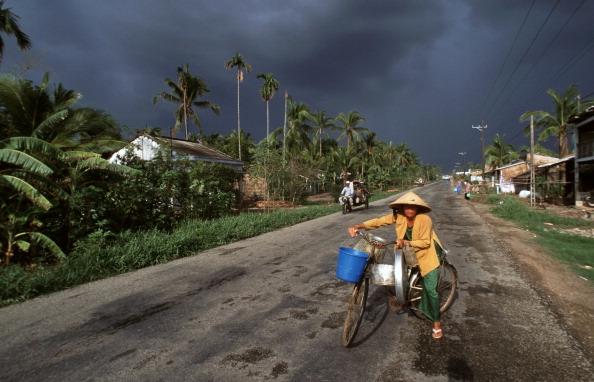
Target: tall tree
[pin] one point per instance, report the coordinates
(500, 153)
(9, 25)
(371, 149)
(149, 130)
(565, 107)
(269, 87)
(297, 137)
(320, 122)
(350, 126)
(344, 158)
(185, 92)
(238, 62)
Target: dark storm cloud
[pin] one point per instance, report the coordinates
(422, 73)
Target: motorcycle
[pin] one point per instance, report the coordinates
(360, 198)
(589, 200)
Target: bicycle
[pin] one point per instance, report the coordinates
(406, 282)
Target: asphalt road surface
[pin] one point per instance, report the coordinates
(271, 308)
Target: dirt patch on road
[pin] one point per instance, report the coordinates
(568, 296)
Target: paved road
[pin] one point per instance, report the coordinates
(270, 308)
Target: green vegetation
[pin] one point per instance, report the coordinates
(551, 233)
(103, 254)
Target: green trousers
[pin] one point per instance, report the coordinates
(429, 304)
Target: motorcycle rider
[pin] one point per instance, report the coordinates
(348, 192)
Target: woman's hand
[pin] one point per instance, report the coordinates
(353, 230)
(401, 243)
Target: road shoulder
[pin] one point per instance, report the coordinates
(566, 294)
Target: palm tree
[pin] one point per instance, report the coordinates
(238, 62)
(320, 123)
(566, 106)
(185, 92)
(371, 150)
(297, 137)
(52, 117)
(350, 126)
(152, 131)
(500, 153)
(269, 87)
(344, 158)
(9, 25)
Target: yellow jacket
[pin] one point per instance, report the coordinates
(422, 237)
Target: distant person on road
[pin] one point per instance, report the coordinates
(459, 187)
(467, 191)
(415, 228)
(348, 191)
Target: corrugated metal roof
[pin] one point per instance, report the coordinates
(568, 158)
(197, 150)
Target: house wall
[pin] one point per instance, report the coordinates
(254, 185)
(142, 147)
(584, 160)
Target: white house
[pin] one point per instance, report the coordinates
(146, 147)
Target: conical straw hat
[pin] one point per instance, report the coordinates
(410, 198)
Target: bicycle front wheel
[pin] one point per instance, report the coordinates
(355, 311)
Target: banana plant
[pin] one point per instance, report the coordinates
(17, 231)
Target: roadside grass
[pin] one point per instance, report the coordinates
(551, 233)
(104, 254)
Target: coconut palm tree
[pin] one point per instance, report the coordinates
(500, 153)
(238, 62)
(9, 25)
(297, 137)
(320, 122)
(52, 117)
(185, 92)
(345, 159)
(371, 149)
(269, 87)
(566, 106)
(53, 146)
(149, 130)
(350, 126)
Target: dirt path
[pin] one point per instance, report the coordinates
(568, 295)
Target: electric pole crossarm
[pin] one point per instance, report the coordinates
(482, 128)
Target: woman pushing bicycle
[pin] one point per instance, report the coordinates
(414, 228)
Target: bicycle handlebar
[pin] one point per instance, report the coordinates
(376, 241)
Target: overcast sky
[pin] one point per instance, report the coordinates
(420, 72)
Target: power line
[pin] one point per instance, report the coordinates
(523, 56)
(507, 56)
(547, 48)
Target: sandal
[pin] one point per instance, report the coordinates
(437, 333)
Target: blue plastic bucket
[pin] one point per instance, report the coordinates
(351, 264)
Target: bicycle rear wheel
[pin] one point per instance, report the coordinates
(355, 311)
(446, 289)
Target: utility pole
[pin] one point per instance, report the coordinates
(482, 128)
(532, 179)
(285, 127)
(463, 161)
